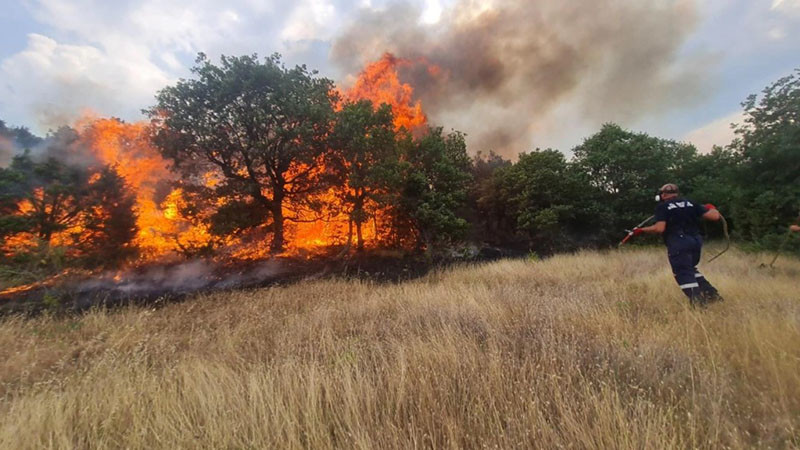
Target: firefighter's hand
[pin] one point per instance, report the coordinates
(637, 231)
(709, 206)
(795, 228)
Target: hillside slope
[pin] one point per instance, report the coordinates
(593, 350)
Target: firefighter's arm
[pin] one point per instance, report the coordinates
(656, 228)
(711, 212)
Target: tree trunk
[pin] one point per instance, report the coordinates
(349, 236)
(277, 226)
(358, 209)
(359, 237)
(45, 230)
(277, 233)
(46, 236)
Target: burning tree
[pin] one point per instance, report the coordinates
(365, 144)
(111, 223)
(259, 125)
(88, 211)
(163, 230)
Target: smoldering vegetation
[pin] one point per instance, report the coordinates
(156, 283)
(184, 277)
(159, 284)
(502, 69)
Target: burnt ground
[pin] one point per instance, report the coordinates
(159, 284)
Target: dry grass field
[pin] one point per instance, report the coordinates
(592, 350)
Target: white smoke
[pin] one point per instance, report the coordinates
(189, 276)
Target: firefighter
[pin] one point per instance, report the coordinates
(677, 220)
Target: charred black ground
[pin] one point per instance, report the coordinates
(160, 284)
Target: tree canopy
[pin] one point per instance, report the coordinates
(629, 167)
(435, 177)
(90, 210)
(366, 156)
(766, 179)
(255, 145)
(258, 126)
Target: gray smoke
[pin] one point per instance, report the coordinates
(66, 146)
(63, 144)
(189, 276)
(507, 68)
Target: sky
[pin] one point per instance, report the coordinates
(518, 74)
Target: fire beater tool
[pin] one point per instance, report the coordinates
(630, 232)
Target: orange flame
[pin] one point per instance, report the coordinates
(380, 83)
(164, 232)
(127, 147)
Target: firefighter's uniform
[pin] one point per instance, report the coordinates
(684, 245)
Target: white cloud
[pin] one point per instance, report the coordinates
(786, 4)
(112, 57)
(311, 19)
(717, 132)
(176, 25)
(55, 82)
(786, 9)
(777, 33)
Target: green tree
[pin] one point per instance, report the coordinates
(366, 154)
(768, 176)
(712, 178)
(436, 177)
(629, 167)
(488, 214)
(63, 188)
(546, 201)
(109, 220)
(263, 126)
(52, 191)
(47, 197)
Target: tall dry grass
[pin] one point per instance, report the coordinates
(593, 350)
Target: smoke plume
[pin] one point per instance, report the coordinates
(507, 67)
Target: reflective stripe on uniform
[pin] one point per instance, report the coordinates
(689, 285)
(698, 275)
